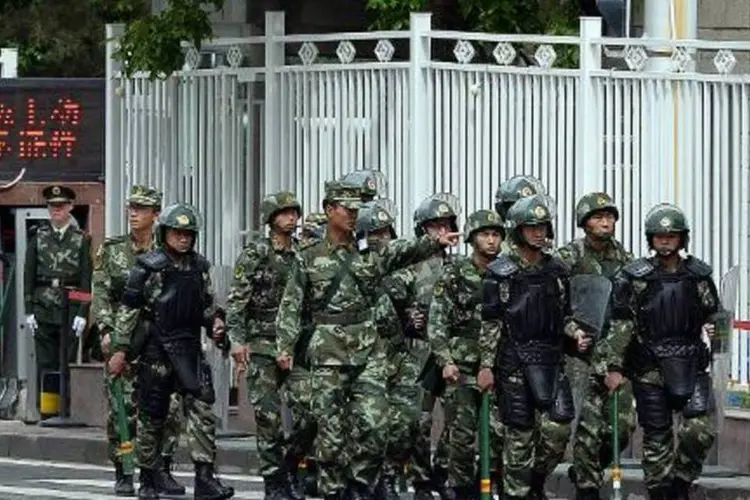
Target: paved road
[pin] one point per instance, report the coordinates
(42, 480)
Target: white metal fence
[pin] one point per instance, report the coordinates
(290, 111)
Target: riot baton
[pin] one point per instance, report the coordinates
(485, 484)
(616, 470)
(64, 420)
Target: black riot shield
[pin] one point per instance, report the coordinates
(589, 299)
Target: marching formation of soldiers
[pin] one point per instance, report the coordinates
(359, 334)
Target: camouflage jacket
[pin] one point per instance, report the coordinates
(128, 318)
(52, 263)
(344, 327)
(455, 315)
(628, 294)
(260, 276)
(492, 330)
(411, 289)
(112, 263)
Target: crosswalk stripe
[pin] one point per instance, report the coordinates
(48, 492)
(96, 483)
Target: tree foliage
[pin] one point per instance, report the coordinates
(551, 17)
(63, 38)
(153, 43)
(492, 16)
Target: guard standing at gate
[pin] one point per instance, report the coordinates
(58, 255)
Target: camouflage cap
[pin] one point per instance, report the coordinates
(344, 194)
(316, 218)
(144, 196)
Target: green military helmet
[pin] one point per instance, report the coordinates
(372, 183)
(435, 207)
(180, 216)
(374, 216)
(482, 219)
(591, 203)
(666, 218)
(515, 188)
(277, 202)
(532, 210)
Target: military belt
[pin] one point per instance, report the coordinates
(343, 318)
(264, 315)
(470, 332)
(54, 282)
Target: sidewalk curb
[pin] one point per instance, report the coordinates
(239, 456)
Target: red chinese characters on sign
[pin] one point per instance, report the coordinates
(53, 136)
(6, 124)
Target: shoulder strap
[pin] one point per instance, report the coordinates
(333, 287)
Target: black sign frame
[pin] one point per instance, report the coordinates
(52, 127)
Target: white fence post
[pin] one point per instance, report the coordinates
(421, 172)
(271, 173)
(8, 63)
(114, 170)
(589, 171)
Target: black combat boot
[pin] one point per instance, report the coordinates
(165, 481)
(310, 481)
(423, 490)
(680, 489)
(207, 486)
(147, 489)
(386, 488)
(587, 494)
(537, 487)
(276, 487)
(660, 493)
(123, 483)
(357, 491)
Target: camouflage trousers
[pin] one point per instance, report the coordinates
(592, 448)
(298, 394)
(423, 466)
(264, 383)
(351, 409)
(462, 404)
(531, 454)
(172, 427)
(661, 461)
(154, 408)
(405, 401)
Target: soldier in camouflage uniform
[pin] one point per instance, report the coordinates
(167, 298)
(260, 275)
(113, 262)
(660, 307)
(312, 228)
(58, 255)
(453, 330)
(525, 315)
(599, 253)
(337, 284)
(410, 290)
(375, 226)
(515, 188)
(510, 192)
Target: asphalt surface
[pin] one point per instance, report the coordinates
(47, 480)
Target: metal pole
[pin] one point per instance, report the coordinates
(485, 484)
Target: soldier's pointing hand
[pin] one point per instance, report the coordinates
(449, 239)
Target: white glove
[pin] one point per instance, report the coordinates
(31, 323)
(79, 324)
